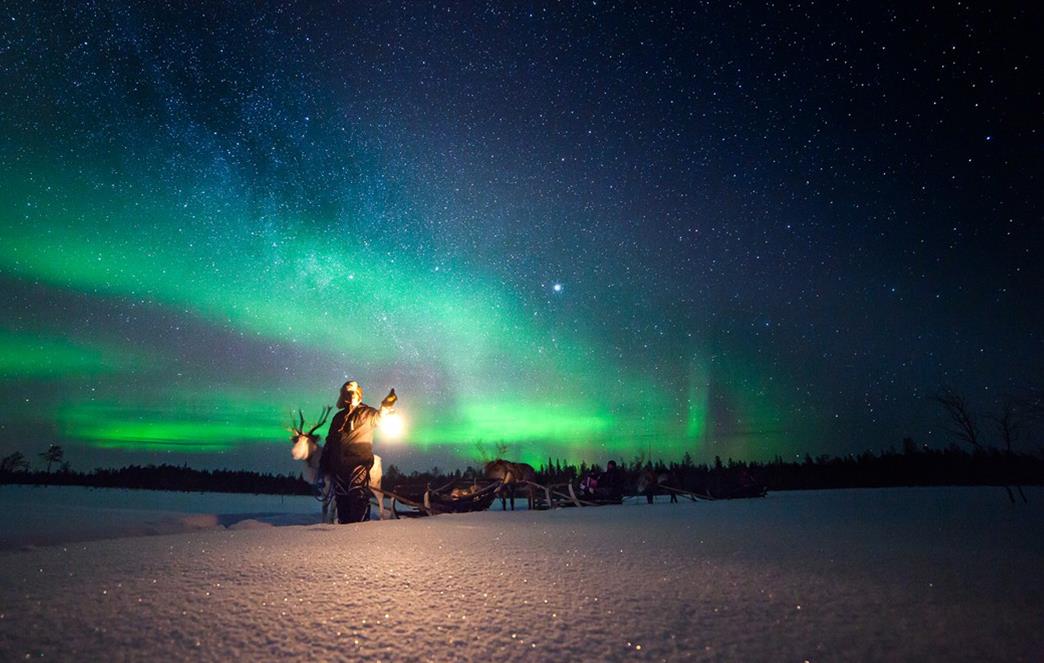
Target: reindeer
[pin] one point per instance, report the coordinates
(306, 448)
(512, 475)
(652, 484)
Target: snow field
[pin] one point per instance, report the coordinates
(897, 574)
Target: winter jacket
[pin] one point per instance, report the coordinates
(350, 440)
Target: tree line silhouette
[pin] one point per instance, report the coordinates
(913, 465)
(159, 477)
(980, 463)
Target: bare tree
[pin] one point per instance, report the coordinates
(962, 422)
(54, 454)
(1009, 424)
(16, 462)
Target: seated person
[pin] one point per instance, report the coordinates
(589, 484)
(610, 484)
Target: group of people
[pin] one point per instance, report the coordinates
(348, 453)
(608, 485)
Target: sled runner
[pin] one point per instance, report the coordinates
(732, 493)
(454, 497)
(695, 497)
(737, 492)
(462, 496)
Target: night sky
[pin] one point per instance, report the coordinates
(582, 230)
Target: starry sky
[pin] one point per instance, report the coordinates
(579, 230)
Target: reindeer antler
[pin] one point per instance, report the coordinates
(322, 419)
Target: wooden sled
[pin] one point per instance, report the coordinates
(455, 497)
(720, 494)
(695, 497)
(566, 495)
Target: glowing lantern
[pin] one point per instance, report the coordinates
(392, 426)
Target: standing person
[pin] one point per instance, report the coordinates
(348, 452)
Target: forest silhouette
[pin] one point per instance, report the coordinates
(913, 465)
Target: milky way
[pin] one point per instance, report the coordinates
(574, 231)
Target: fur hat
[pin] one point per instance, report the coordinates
(347, 388)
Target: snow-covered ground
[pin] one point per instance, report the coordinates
(894, 574)
(47, 515)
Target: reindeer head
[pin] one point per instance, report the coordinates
(305, 444)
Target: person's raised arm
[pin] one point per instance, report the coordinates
(388, 404)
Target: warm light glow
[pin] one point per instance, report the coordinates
(392, 427)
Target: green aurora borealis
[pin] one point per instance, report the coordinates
(474, 363)
(581, 232)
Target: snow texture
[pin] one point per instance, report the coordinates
(945, 574)
(46, 515)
